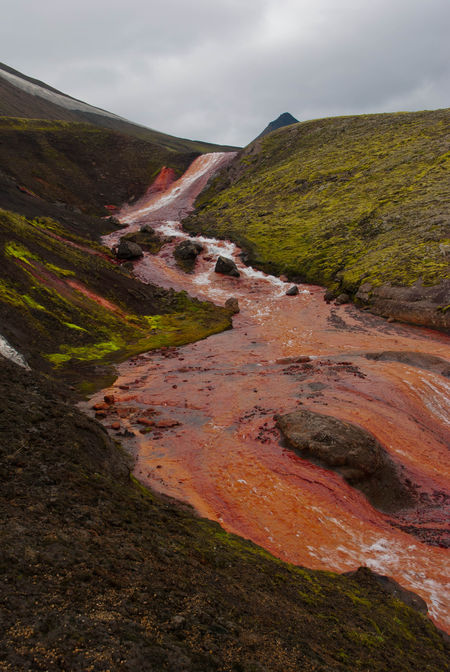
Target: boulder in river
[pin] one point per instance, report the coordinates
(128, 250)
(186, 254)
(232, 304)
(292, 291)
(350, 451)
(146, 228)
(226, 266)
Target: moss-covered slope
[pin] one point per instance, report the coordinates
(64, 302)
(98, 574)
(345, 202)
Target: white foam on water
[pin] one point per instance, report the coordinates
(170, 228)
(11, 353)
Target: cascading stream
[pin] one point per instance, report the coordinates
(214, 442)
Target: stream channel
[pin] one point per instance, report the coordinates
(214, 443)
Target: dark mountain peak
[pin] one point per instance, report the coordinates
(284, 119)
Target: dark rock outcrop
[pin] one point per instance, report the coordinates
(285, 119)
(421, 360)
(417, 304)
(350, 451)
(226, 266)
(128, 250)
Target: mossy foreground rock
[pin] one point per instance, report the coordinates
(350, 451)
(358, 204)
(99, 574)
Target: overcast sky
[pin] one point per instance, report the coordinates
(220, 70)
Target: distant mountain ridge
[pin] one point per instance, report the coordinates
(25, 97)
(285, 119)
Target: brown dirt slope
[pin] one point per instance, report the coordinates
(98, 574)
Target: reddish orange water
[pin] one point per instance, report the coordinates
(224, 456)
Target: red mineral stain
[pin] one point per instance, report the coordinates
(227, 459)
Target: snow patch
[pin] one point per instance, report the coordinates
(10, 353)
(55, 98)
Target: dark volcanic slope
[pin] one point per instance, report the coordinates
(77, 166)
(22, 96)
(98, 574)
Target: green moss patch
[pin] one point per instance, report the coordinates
(103, 318)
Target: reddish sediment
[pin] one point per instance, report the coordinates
(214, 442)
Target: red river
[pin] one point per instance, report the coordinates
(214, 443)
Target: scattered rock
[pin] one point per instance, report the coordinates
(342, 298)
(146, 228)
(284, 278)
(115, 425)
(226, 266)
(145, 421)
(128, 250)
(350, 451)
(292, 291)
(109, 399)
(232, 304)
(329, 295)
(165, 424)
(100, 407)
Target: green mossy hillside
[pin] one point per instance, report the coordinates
(99, 574)
(340, 201)
(64, 302)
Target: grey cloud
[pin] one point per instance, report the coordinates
(221, 70)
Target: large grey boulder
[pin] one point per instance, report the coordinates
(226, 266)
(350, 451)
